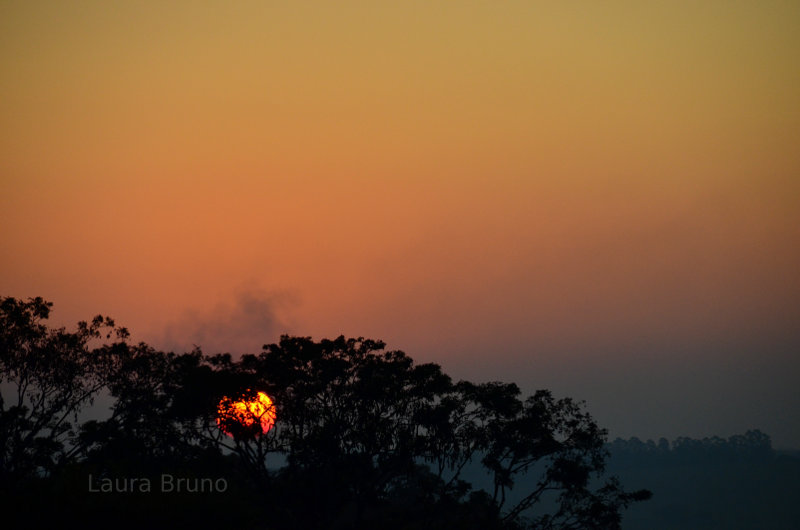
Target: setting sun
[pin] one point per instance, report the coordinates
(246, 414)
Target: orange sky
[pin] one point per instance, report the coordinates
(515, 190)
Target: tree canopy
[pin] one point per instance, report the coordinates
(364, 436)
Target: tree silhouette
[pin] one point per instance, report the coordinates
(363, 437)
(50, 375)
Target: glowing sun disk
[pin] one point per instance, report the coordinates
(246, 414)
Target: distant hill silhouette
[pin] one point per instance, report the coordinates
(713, 483)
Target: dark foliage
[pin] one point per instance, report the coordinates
(364, 438)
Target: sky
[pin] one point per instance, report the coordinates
(602, 199)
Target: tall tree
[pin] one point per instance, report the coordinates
(47, 376)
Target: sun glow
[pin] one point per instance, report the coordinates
(246, 415)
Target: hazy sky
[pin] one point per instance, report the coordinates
(598, 198)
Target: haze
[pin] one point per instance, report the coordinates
(597, 199)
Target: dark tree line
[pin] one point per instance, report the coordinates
(710, 483)
(752, 446)
(364, 436)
